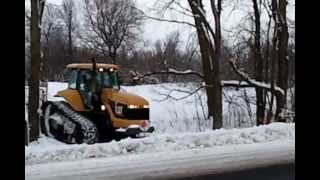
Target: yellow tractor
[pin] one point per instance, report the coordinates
(95, 109)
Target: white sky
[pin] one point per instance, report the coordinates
(154, 30)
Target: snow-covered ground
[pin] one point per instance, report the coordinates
(49, 150)
(182, 143)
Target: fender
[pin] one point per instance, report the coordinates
(73, 97)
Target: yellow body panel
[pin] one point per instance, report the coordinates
(122, 97)
(107, 96)
(122, 123)
(73, 97)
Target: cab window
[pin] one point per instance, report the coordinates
(72, 79)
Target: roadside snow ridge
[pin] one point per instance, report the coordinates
(48, 150)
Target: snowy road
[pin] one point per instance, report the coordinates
(274, 172)
(169, 164)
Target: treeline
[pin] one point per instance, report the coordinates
(260, 53)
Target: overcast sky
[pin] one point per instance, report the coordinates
(154, 30)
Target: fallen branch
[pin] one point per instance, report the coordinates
(178, 99)
(230, 83)
(253, 82)
(170, 71)
(236, 84)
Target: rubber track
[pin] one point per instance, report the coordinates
(88, 128)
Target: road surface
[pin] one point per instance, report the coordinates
(275, 172)
(175, 164)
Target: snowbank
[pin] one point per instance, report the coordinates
(49, 150)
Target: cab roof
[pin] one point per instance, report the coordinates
(89, 66)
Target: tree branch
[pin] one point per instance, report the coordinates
(171, 71)
(236, 84)
(253, 82)
(178, 99)
(164, 20)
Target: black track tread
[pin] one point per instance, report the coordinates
(88, 128)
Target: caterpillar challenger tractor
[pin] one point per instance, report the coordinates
(94, 108)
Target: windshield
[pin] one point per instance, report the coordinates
(110, 79)
(104, 79)
(86, 82)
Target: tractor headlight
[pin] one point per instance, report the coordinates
(131, 106)
(118, 109)
(145, 106)
(103, 107)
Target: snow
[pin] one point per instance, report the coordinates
(182, 142)
(53, 88)
(180, 72)
(235, 82)
(262, 84)
(49, 150)
(169, 164)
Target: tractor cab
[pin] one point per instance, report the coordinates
(90, 81)
(94, 92)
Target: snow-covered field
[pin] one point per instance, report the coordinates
(182, 143)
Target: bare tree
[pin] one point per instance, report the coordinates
(209, 40)
(68, 14)
(210, 55)
(191, 51)
(50, 25)
(282, 35)
(33, 99)
(27, 44)
(172, 49)
(260, 99)
(167, 54)
(50, 21)
(273, 66)
(111, 24)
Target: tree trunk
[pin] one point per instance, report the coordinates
(26, 133)
(210, 71)
(260, 99)
(267, 68)
(282, 58)
(215, 55)
(217, 90)
(70, 40)
(33, 101)
(280, 46)
(112, 54)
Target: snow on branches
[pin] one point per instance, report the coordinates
(253, 82)
(169, 71)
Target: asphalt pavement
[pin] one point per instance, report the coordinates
(275, 172)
